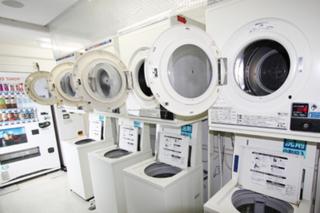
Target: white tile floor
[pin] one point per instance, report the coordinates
(46, 194)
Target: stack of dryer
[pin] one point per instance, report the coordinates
(267, 90)
(134, 47)
(172, 180)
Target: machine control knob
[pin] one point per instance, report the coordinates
(306, 126)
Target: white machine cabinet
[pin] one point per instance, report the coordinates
(271, 59)
(134, 46)
(268, 175)
(171, 181)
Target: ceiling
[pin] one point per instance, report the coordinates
(70, 21)
(39, 12)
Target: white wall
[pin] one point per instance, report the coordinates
(18, 58)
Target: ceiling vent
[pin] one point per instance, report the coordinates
(13, 3)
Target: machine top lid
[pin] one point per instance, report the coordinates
(128, 138)
(266, 166)
(37, 88)
(183, 70)
(174, 149)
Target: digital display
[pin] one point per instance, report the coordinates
(12, 136)
(300, 110)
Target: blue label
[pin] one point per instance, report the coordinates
(314, 115)
(137, 124)
(101, 118)
(186, 130)
(295, 147)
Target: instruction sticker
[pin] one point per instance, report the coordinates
(128, 138)
(186, 130)
(295, 147)
(137, 124)
(173, 149)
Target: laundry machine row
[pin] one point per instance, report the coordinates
(106, 164)
(250, 77)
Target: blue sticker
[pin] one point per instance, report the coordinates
(314, 115)
(137, 124)
(186, 130)
(101, 118)
(295, 147)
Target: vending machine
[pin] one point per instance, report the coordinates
(28, 145)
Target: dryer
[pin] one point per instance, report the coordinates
(269, 175)
(270, 58)
(171, 181)
(61, 84)
(106, 165)
(134, 45)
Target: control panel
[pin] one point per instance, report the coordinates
(305, 117)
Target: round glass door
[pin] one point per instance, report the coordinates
(37, 88)
(101, 80)
(189, 71)
(182, 71)
(262, 67)
(61, 84)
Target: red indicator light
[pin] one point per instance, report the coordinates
(181, 19)
(303, 109)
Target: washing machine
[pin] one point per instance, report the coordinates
(171, 181)
(134, 46)
(76, 154)
(106, 165)
(270, 58)
(269, 175)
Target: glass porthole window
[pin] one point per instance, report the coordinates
(262, 67)
(41, 88)
(104, 81)
(189, 71)
(66, 85)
